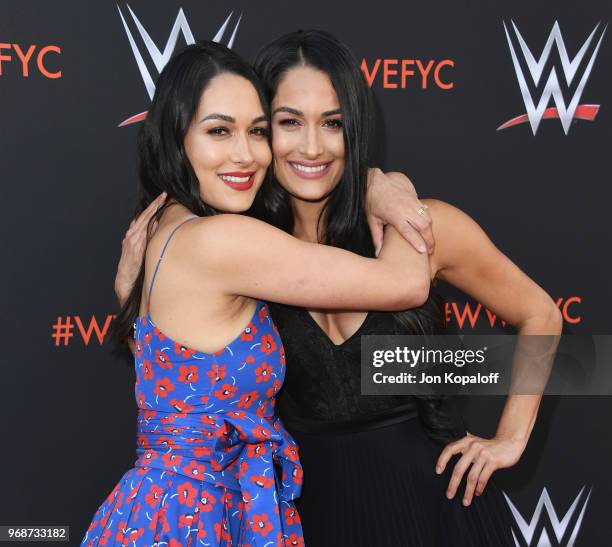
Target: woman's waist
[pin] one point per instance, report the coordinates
(364, 420)
(222, 428)
(233, 449)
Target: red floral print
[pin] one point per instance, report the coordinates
(291, 452)
(248, 399)
(216, 373)
(261, 525)
(249, 331)
(186, 494)
(274, 389)
(291, 515)
(172, 460)
(188, 375)
(183, 351)
(162, 360)
(263, 482)
(268, 345)
(163, 387)
(263, 372)
(227, 391)
(261, 433)
(154, 496)
(194, 469)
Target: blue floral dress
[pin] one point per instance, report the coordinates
(215, 466)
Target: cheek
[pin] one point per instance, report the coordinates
(336, 146)
(204, 153)
(262, 153)
(282, 144)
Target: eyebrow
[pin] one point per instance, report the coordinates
(289, 110)
(229, 119)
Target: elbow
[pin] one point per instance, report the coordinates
(556, 319)
(414, 294)
(548, 321)
(552, 319)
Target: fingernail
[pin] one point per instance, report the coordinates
(465, 502)
(422, 248)
(449, 495)
(438, 470)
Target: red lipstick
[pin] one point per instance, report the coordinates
(248, 179)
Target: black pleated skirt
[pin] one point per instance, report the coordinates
(378, 488)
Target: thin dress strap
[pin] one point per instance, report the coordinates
(162, 256)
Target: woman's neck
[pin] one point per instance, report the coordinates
(305, 219)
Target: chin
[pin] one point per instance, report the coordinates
(308, 194)
(238, 206)
(232, 204)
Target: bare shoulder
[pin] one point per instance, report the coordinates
(443, 211)
(225, 228)
(225, 221)
(449, 220)
(227, 239)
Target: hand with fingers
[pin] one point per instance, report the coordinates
(484, 456)
(392, 199)
(133, 248)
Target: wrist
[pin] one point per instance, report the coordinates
(516, 439)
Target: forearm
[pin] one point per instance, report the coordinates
(520, 410)
(518, 417)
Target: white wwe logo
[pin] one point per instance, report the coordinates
(160, 58)
(560, 526)
(566, 113)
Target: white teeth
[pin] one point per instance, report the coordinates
(234, 179)
(306, 169)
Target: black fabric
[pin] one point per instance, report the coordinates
(369, 477)
(323, 380)
(322, 387)
(378, 488)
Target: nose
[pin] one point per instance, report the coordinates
(311, 146)
(241, 150)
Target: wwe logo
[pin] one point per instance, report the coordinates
(160, 58)
(559, 526)
(552, 88)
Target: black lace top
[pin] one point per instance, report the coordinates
(322, 387)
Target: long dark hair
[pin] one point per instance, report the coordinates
(163, 162)
(343, 219)
(343, 216)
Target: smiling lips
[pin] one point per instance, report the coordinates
(314, 170)
(238, 180)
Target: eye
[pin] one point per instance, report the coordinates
(218, 131)
(289, 122)
(333, 124)
(260, 131)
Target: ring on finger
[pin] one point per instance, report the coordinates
(421, 210)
